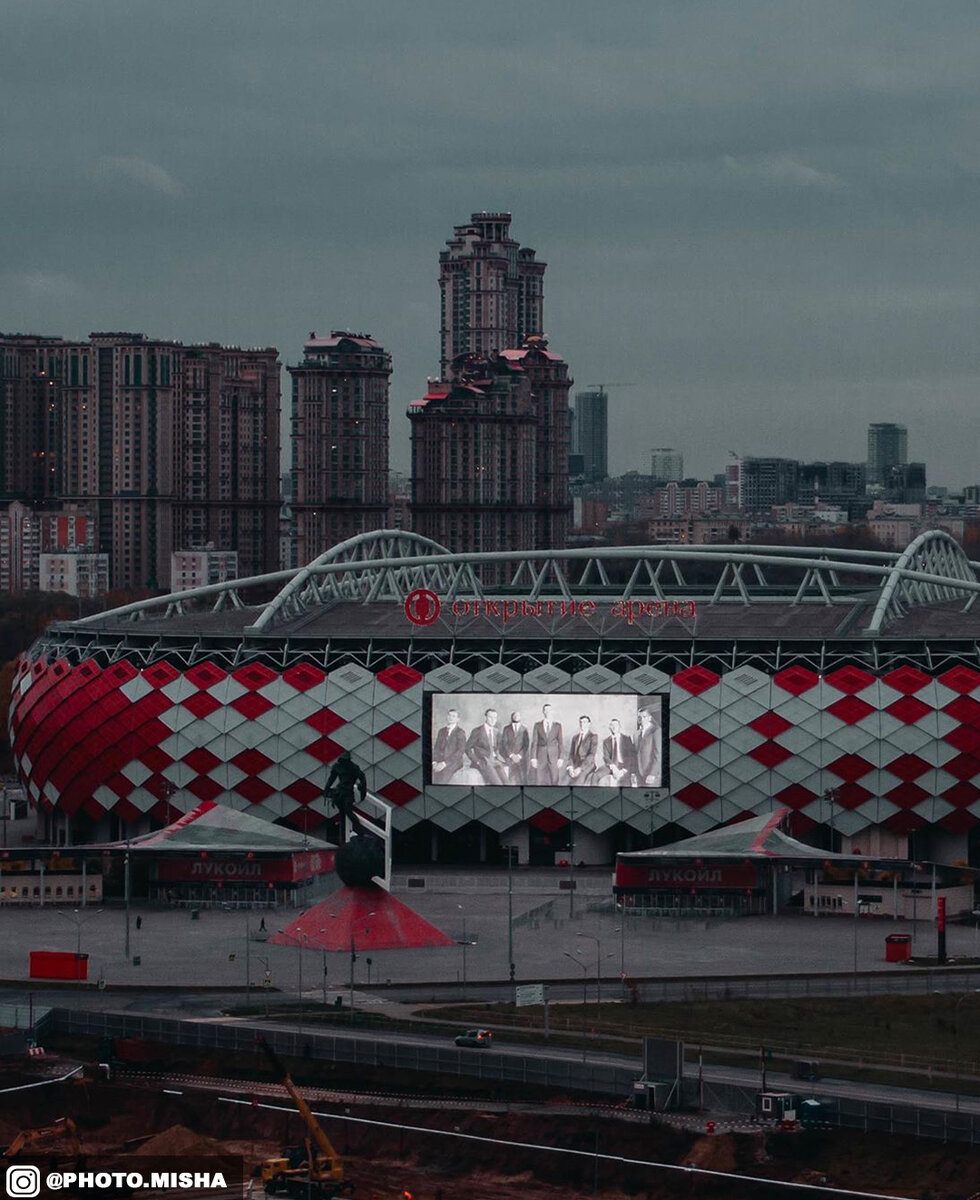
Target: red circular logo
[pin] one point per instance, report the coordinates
(422, 606)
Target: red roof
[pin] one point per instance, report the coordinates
(369, 917)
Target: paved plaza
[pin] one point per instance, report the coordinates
(222, 948)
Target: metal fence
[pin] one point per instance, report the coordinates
(560, 1074)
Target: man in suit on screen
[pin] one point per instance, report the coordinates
(647, 772)
(515, 742)
(449, 750)
(617, 754)
(581, 754)
(483, 750)
(546, 750)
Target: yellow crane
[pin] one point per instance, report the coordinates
(30, 1139)
(313, 1171)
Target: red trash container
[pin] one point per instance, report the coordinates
(898, 947)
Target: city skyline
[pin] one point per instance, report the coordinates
(754, 214)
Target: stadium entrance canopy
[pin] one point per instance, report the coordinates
(747, 866)
(216, 849)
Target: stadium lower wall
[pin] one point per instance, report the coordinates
(146, 741)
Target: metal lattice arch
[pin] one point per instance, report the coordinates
(386, 565)
(930, 570)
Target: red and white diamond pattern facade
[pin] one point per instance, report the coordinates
(902, 750)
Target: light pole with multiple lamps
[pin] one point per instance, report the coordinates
(598, 964)
(79, 920)
(464, 942)
(585, 976)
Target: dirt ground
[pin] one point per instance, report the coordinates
(384, 1162)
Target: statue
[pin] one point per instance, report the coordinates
(344, 777)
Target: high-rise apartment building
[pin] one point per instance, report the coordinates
(166, 445)
(667, 465)
(887, 448)
(339, 484)
(474, 459)
(764, 482)
(490, 453)
(592, 433)
(492, 290)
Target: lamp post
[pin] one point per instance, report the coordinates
(621, 930)
(464, 942)
(126, 890)
(510, 910)
(79, 920)
(353, 959)
(832, 796)
(956, 1038)
(585, 976)
(598, 956)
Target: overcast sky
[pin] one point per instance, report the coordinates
(760, 218)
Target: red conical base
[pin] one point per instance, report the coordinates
(369, 917)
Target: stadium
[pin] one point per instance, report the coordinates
(604, 700)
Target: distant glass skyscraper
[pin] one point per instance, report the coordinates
(887, 448)
(666, 464)
(592, 432)
(492, 290)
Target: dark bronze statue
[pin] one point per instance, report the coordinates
(345, 778)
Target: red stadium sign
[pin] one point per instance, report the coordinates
(422, 607)
(288, 869)
(669, 875)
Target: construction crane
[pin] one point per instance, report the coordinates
(31, 1139)
(601, 387)
(313, 1171)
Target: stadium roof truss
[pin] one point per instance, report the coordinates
(386, 565)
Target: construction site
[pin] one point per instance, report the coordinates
(336, 1132)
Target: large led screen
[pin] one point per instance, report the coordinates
(478, 739)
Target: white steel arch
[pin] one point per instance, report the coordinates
(386, 565)
(933, 553)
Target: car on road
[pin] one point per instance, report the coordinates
(475, 1037)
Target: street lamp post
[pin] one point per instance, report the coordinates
(79, 920)
(464, 942)
(126, 890)
(956, 1038)
(510, 910)
(585, 976)
(598, 968)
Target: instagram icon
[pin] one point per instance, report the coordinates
(23, 1182)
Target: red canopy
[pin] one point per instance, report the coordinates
(367, 917)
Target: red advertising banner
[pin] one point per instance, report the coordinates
(287, 869)
(941, 914)
(686, 874)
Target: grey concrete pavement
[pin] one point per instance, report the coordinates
(213, 951)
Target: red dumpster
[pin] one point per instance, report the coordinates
(898, 947)
(58, 964)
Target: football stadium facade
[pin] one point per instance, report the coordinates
(605, 699)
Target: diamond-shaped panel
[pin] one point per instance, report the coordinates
(646, 680)
(399, 677)
(745, 680)
(850, 709)
(303, 676)
(770, 724)
(796, 680)
(960, 679)
(695, 679)
(962, 794)
(251, 705)
(695, 738)
(448, 679)
(795, 796)
(909, 710)
(546, 679)
(965, 738)
(204, 675)
(398, 736)
(850, 767)
(498, 678)
(695, 795)
(596, 679)
(965, 709)
(770, 754)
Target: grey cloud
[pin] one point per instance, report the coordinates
(139, 171)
